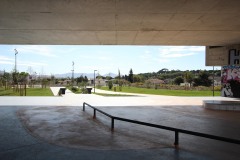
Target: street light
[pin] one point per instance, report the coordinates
(94, 80)
(16, 52)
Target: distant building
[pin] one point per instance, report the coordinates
(185, 84)
(98, 82)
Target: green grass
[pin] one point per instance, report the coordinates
(113, 95)
(39, 92)
(166, 92)
(30, 92)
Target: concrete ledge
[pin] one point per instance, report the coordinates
(222, 105)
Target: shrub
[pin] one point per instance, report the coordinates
(84, 90)
(178, 80)
(74, 89)
(120, 88)
(217, 88)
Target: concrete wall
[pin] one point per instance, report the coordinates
(229, 58)
(222, 55)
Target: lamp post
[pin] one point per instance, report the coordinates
(16, 52)
(94, 80)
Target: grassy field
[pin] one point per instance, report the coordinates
(166, 92)
(113, 95)
(30, 92)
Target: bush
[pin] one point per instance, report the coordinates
(202, 88)
(178, 80)
(74, 89)
(84, 90)
(217, 88)
(120, 88)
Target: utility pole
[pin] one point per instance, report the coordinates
(16, 52)
(72, 73)
(94, 80)
(15, 79)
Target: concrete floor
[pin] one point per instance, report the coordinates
(57, 128)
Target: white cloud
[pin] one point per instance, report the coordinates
(163, 60)
(100, 57)
(179, 51)
(166, 54)
(176, 55)
(32, 64)
(104, 58)
(6, 60)
(36, 50)
(146, 56)
(183, 48)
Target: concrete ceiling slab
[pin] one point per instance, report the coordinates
(120, 22)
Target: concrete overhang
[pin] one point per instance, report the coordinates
(120, 22)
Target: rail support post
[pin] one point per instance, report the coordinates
(83, 106)
(176, 139)
(112, 125)
(94, 113)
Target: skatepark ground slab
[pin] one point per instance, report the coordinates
(57, 128)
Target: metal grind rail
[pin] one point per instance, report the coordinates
(176, 130)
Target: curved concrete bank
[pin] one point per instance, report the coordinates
(70, 127)
(222, 105)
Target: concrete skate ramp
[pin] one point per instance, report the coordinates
(71, 127)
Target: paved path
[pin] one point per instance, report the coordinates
(112, 92)
(44, 129)
(70, 99)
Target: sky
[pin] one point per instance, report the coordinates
(58, 59)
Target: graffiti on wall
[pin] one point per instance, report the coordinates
(231, 81)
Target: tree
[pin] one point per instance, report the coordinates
(202, 79)
(52, 79)
(130, 76)
(164, 70)
(44, 82)
(22, 77)
(108, 78)
(126, 77)
(120, 82)
(178, 80)
(15, 77)
(119, 76)
(80, 79)
(188, 77)
(85, 79)
(6, 79)
(110, 85)
(137, 78)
